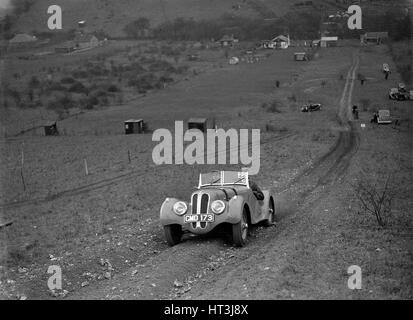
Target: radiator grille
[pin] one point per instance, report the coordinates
(204, 203)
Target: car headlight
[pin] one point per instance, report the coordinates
(180, 208)
(218, 206)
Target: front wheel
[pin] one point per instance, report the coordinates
(173, 234)
(240, 230)
(271, 215)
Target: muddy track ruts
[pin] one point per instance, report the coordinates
(332, 165)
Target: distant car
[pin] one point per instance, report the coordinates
(233, 60)
(311, 107)
(222, 197)
(399, 95)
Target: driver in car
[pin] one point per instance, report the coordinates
(256, 190)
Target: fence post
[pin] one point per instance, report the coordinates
(86, 168)
(21, 168)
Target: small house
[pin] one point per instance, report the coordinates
(134, 126)
(228, 41)
(198, 123)
(50, 128)
(280, 42)
(327, 42)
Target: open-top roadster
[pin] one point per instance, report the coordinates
(221, 197)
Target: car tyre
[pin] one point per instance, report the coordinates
(173, 234)
(271, 215)
(240, 230)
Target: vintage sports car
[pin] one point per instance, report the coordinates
(221, 197)
(311, 107)
(397, 94)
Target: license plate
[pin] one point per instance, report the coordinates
(199, 218)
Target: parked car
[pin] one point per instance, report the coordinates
(399, 95)
(311, 107)
(222, 197)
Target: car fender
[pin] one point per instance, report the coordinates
(235, 209)
(266, 204)
(167, 215)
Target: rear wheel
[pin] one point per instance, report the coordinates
(271, 215)
(240, 230)
(173, 234)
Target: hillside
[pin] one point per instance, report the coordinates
(112, 16)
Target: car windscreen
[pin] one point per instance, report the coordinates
(233, 177)
(223, 178)
(211, 178)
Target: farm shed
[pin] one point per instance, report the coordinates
(374, 37)
(300, 56)
(50, 128)
(198, 123)
(326, 42)
(134, 126)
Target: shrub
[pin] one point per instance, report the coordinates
(375, 198)
(67, 80)
(272, 128)
(34, 82)
(292, 98)
(62, 103)
(78, 87)
(166, 78)
(365, 104)
(273, 107)
(161, 65)
(55, 86)
(82, 74)
(113, 88)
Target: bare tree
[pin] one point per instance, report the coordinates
(375, 199)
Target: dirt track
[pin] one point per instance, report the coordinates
(197, 257)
